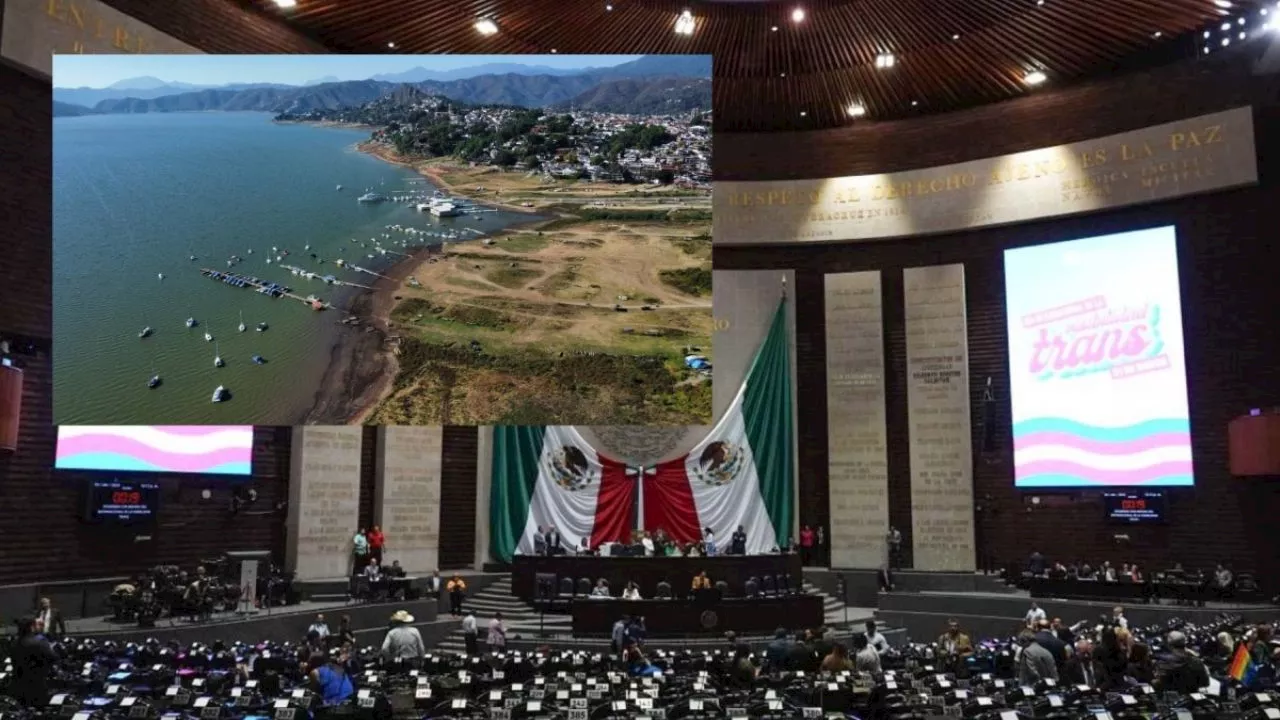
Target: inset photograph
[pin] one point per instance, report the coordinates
(280, 240)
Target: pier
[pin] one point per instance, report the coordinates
(270, 289)
(328, 279)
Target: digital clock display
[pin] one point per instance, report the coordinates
(1134, 507)
(121, 502)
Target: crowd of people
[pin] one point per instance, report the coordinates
(811, 544)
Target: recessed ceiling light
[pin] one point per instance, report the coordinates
(1039, 3)
(1263, 12)
(956, 36)
(391, 45)
(915, 103)
(286, 4)
(857, 111)
(1226, 42)
(773, 29)
(1226, 27)
(1224, 4)
(684, 23)
(797, 15)
(1240, 21)
(1156, 34)
(1206, 49)
(803, 113)
(608, 7)
(485, 26)
(554, 51)
(1241, 36)
(885, 60)
(1206, 33)
(1034, 77)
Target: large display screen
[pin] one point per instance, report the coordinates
(1134, 507)
(1096, 365)
(212, 449)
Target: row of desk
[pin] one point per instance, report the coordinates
(1182, 591)
(674, 618)
(647, 572)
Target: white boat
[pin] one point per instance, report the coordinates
(145, 332)
(241, 328)
(208, 337)
(191, 322)
(262, 327)
(217, 356)
(154, 382)
(339, 187)
(160, 275)
(219, 394)
(372, 197)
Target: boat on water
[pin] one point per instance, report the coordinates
(191, 322)
(192, 258)
(145, 332)
(262, 327)
(208, 337)
(372, 197)
(259, 360)
(154, 382)
(220, 394)
(160, 275)
(444, 209)
(217, 357)
(339, 187)
(241, 327)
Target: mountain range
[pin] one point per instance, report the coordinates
(523, 84)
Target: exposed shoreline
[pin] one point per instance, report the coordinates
(362, 365)
(386, 154)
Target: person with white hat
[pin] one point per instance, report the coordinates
(403, 641)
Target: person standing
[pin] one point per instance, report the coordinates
(457, 588)
(403, 641)
(1036, 662)
(329, 678)
(553, 541)
(822, 546)
(875, 640)
(497, 639)
(738, 543)
(377, 543)
(894, 540)
(1035, 615)
(319, 628)
(33, 661)
(806, 546)
(50, 620)
(469, 632)
(359, 551)
(617, 635)
(709, 541)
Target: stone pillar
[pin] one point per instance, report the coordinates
(484, 485)
(406, 502)
(324, 501)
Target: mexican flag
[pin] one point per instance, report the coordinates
(549, 476)
(741, 474)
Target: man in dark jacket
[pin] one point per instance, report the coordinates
(1050, 641)
(779, 651)
(802, 655)
(1081, 668)
(33, 661)
(738, 543)
(1180, 671)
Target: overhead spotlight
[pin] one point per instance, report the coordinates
(1226, 27)
(554, 51)
(1034, 77)
(1206, 34)
(684, 23)
(1224, 4)
(391, 45)
(797, 15)
(885, 60)
(608, 8)
(485, 26)
(773, 29)
(1206, 49)
(1226, 42)
(1241, 36)
(1039, 3)
(1240, 21)
(803, 113)
(286, 4)
(915, 103)
(782, 74)
(1156, 34)
(857, 111)
(956, 36)
(1263, 12)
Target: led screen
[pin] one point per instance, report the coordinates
(1096, 363)
(212, 449)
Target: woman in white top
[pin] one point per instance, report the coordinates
(631, 592)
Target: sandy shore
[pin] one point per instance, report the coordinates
(436, 176)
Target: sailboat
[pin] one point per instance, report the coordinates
(241, 328)
(259, 360)
(145, 332)
(219, 394)
(160, 275)
(208, 337)
(217, 356)
(191, 322)
(154, 382)
(262, 327)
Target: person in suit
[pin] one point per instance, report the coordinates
(540, 542)
(779, 651)
(738, 543)
(552, 541)
(435, 584)
(33, 662)
(50, 620)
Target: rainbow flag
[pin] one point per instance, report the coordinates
(1241, 664)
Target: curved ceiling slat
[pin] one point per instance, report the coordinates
(949, 53)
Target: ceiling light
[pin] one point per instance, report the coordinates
(1039, 3)
(554, 51)
(391, 45)
(956, 36)
(684, 23)
(857, 111)
(1240, 21)
(773, 29)
(286, 4)
(1263, 12)
(1206, 33)
(797, 15)
(608, 8)
(782, 74)
(915, 103)
(1206, 49)
(803, 113)
(485, 26)
(1156, 34)
(885, 60)
(1034, 77)
(1224, 4)
(1241, 36)
(1226, 42)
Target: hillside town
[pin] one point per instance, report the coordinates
(594, 146)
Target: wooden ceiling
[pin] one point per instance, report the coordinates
(774, 73)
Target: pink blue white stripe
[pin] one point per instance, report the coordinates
(210, 449)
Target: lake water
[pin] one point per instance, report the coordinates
(136, 195)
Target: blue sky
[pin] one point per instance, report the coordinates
(98, 71)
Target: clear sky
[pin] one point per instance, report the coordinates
(97, 71)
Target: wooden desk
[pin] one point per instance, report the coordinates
(669, 618)
(647, 572)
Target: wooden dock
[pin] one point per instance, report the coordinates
(264, 287)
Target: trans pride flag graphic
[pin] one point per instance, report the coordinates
(211, 449)
(1096, 363)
